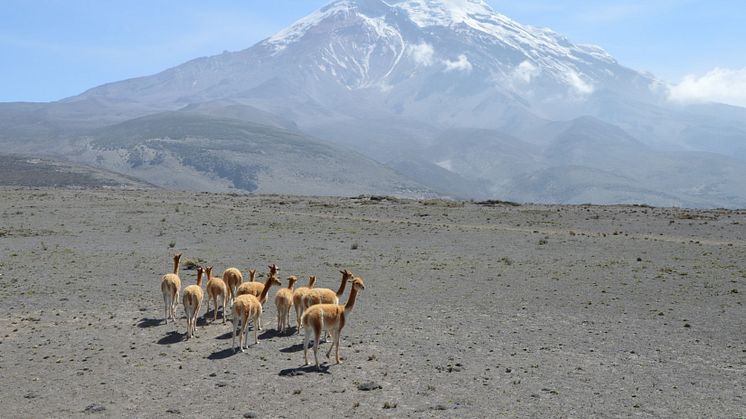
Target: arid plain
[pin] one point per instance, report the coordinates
(469, 310)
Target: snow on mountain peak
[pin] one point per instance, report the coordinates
(294, 32)
(444, 12)
(372, 43)
(455, 14)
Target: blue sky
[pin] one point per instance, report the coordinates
(52, 49)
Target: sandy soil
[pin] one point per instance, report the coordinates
(468, 311)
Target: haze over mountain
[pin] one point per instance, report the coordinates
(457, 99)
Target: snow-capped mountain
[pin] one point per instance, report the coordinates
(451, 94)
(378, 44)
(402, 58)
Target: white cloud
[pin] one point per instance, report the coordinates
(422, 53)
(525, 71)
(579, 84)
(462, 64)
(719, 85)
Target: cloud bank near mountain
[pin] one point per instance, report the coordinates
(721, 85)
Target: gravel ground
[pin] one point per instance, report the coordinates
(469, 310)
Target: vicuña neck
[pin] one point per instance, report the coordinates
(351, 300)
(199, 279)
(176, 266)
(342, 286)
(265, 291)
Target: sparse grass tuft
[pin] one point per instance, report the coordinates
(193, 263)
(496, 202)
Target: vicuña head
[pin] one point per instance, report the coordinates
(273, 269)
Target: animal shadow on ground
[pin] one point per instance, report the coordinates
(224, 336)
(171, 338)
(292, 372)
(145, 323)
(210, 314)
(225, 353)
(269, 334)
(293, 348)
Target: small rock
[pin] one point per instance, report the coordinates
(250, 415)
(221, 384)
(174, 411)
(368, 386)
(291, 373)
(94, 408)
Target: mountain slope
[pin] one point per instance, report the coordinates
(183, 150)
(25, 171)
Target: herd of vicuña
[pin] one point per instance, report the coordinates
(316, 309)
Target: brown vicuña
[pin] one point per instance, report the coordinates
(260, 290)
(248, 307)
(325, 295)
(192, 301)
(330, 316)
(216, 287)
(298, 295)
(283, 301)
(170, 286)
(233, 279)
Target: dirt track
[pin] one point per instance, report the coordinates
(469, 310)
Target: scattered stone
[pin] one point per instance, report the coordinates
(291, 373)
(368, 386)
(174, 411)
(250, 414)
(94, 408)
